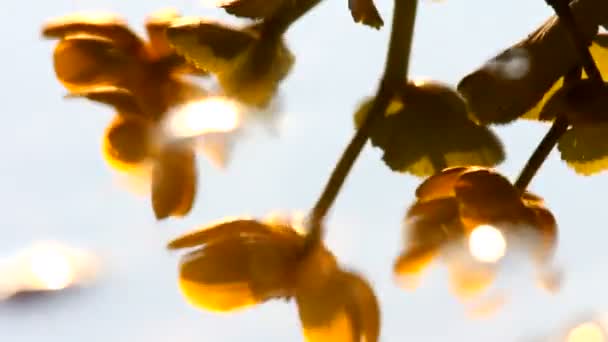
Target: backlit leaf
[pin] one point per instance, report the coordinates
(408, 133)
(585, 148)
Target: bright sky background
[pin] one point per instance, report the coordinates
(55, 185)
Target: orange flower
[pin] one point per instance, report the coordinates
(452, 205)
(96, 50)
(241, 263)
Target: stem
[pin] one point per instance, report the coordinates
(564, 13)
(404, 17)
(540, 154)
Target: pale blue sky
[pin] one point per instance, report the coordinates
(55, 184)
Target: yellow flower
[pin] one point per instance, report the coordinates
(450, 206)
(243, 262)
(427, 128)
(96, 50)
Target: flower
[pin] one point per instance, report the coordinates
(101, 59)
(451, 205)
(98, 51)
(427, 128)
(244, 262)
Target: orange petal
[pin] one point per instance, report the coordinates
(110, 27)
(174, 181)
(121, 99)
(344, 310)
(233, 273)
(233, 228)
(442, 184)
(156, 27)
(86, 61)
(468, 282)
(126, 142)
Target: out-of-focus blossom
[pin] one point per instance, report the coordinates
(159, 115)
(243, 262)
(427, 128)
(478, 211)
(46, 267)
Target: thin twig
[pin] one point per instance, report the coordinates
(395, 72)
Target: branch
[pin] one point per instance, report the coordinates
(397, 62)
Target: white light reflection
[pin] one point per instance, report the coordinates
(487, 244)
(213, 114)
(45, 266)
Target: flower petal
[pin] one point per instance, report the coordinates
(344, 310)
(174, 181)
(442, 184)
(86, 61)
(253, 9)
(156, 27)
(365, 12)
(234, 228)
(486, 197)
(126, 142)
(235, 272)
(110, 27)
(121, 99)
(467, 281)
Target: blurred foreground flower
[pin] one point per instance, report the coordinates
(426, 128)
(158, 115)
(46, 267)
(244, 262)
(476, 210)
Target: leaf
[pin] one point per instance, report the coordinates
(585, 148)
(344, 310)
(173, 182)
(83, 61)
(584, 102)
(119, 98)
(208, 44)
(156, 26)
(408, 135)
(110, 27)
(233, 272)
(126, 142)
(365, 12)
(599, 52)
(253, 9)
(498, 98)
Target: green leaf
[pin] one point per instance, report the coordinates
(585, 148)
(431, 131)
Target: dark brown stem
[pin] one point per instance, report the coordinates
(540, 154)
(566, 17)
(395, 72)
